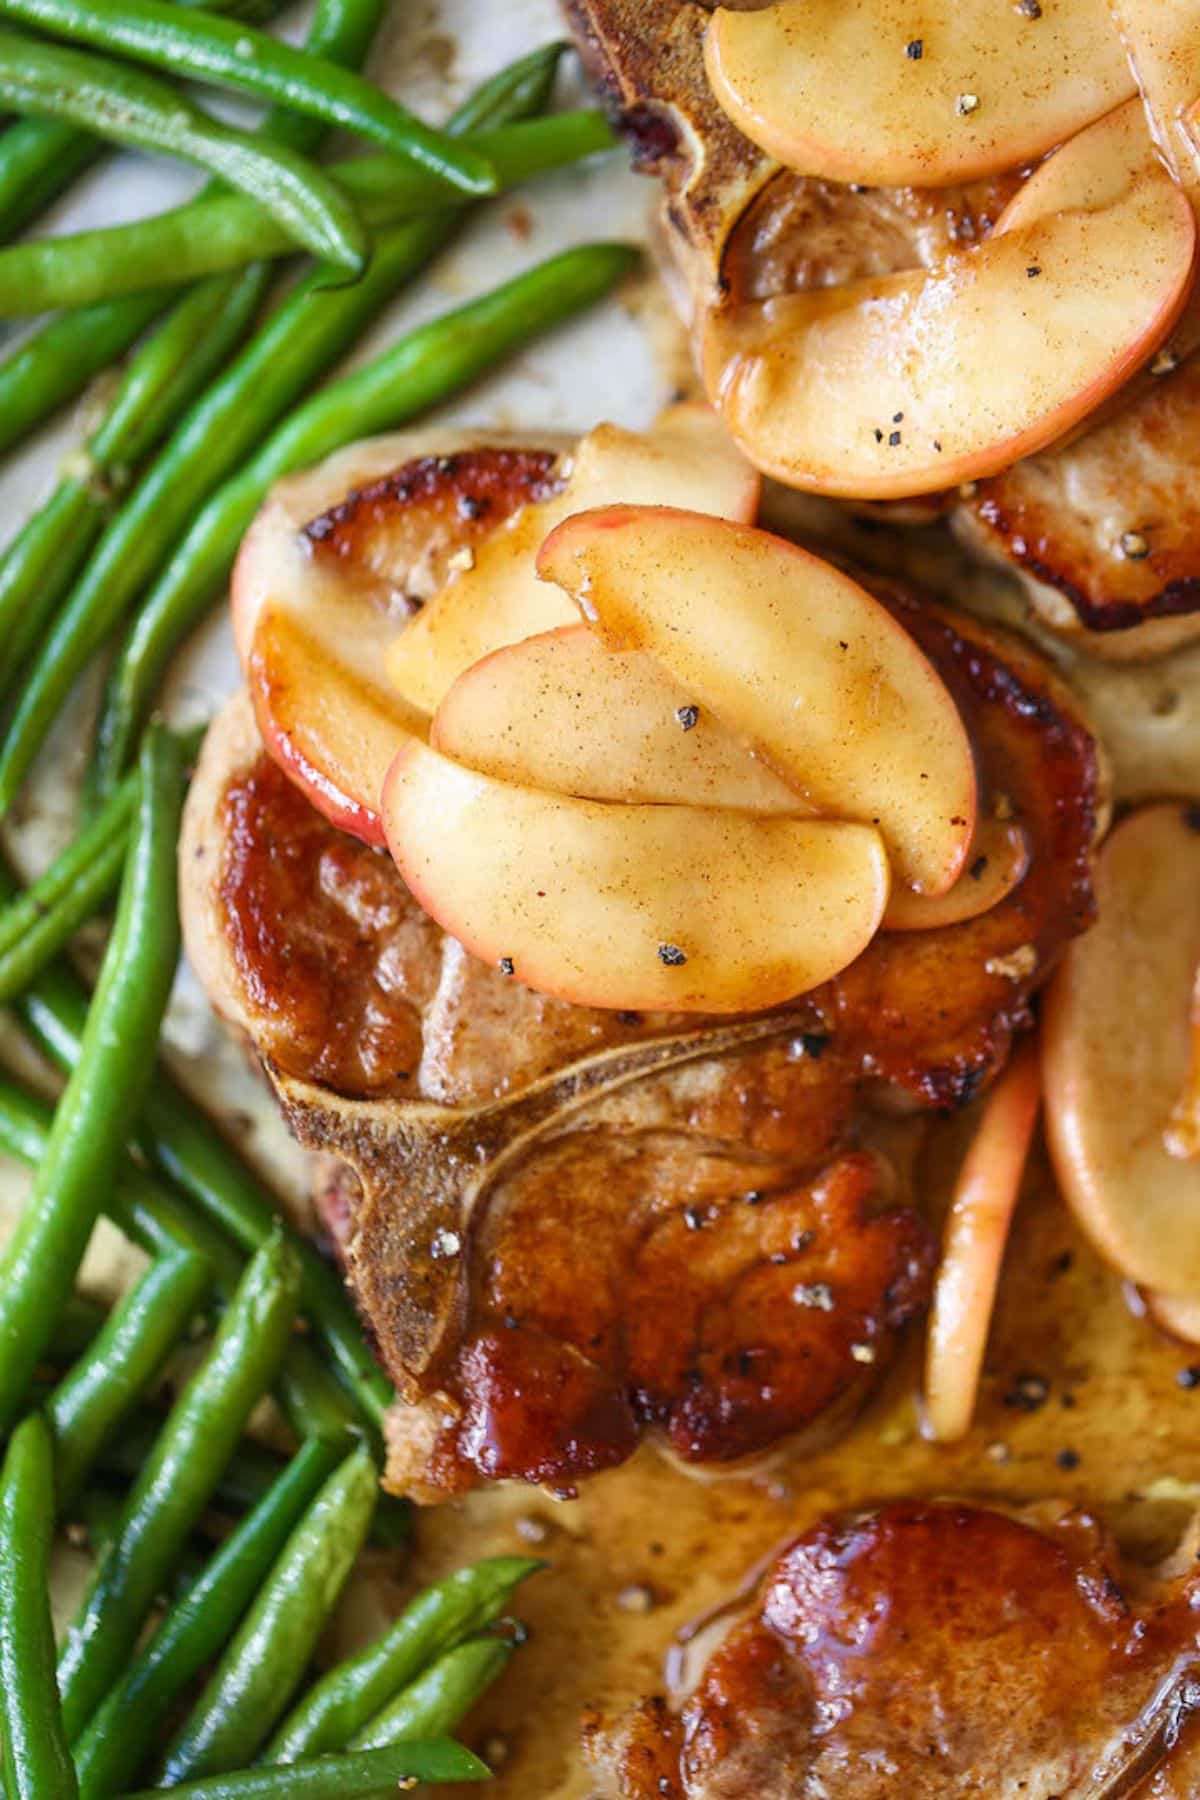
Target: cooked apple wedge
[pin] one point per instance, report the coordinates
(796, 658)
(996, 863)
(914, 96)
(686, 458)
(1160, 39)
(912, 382)
(1116, 1048)
(561, 712)
(675, 908)
(313, 658)
(327, 719)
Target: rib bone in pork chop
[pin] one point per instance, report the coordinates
(564, 1226)
(931, 1652)
(1102, 530)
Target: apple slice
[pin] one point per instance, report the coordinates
(561, 712)
(909, 383)
(686, 458)
(921, 97)
(313, 660)
(1116, 1045)
(330, 723)
(796, 658)
(996, 863)
(1160, 38)
(976, 1235)
(675, 908)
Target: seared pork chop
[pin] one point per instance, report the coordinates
(567, 1226)
(1105, 531)
(934, 1651)
(1073, 520)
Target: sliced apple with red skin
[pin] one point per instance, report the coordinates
(794, 657)
(561, 712)
(676, 908)
(996, 863)
(919, 96)
(1116, 1048)
(313, 659)
(909, 383)
(686, 458)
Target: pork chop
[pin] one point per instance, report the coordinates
(934, 1651)
(567, 1227)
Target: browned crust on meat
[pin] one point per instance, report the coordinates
(1059, 520)
(931, 1650)
(647, 60)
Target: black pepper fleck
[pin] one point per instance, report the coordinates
(1031, 8)
(688, 716)
(977, 867)
(914, 49)
(672, 955)
(1033, 269)
(1067, 1459)
(937, 445)
(507, 966)
(893, 438)
(1027, 1393)
(897, 418)
(878, 435)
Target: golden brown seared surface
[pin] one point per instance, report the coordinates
(1106, 530)
(931, 1651)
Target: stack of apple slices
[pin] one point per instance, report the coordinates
(636, 755)
(904, 384)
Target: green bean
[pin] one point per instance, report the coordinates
(247, 1477)
(294, 348)
(122, 1732)
(58, 361)
(110, 826)
(371, 1775)
(76, 1328)
(177, 1481)
(433, 1704)
(92, 1121)
(163, 1223)
(421, 370)
(89, 1404)
(345, 1700)
(37, 1762)
(39, 159)
(216, 51)
(43, 941)
(125, 106)
(224, 231)
(255, 1678)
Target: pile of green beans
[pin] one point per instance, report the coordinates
(177, 1481)
(233, 55)
(225, 231)
(127, 107)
